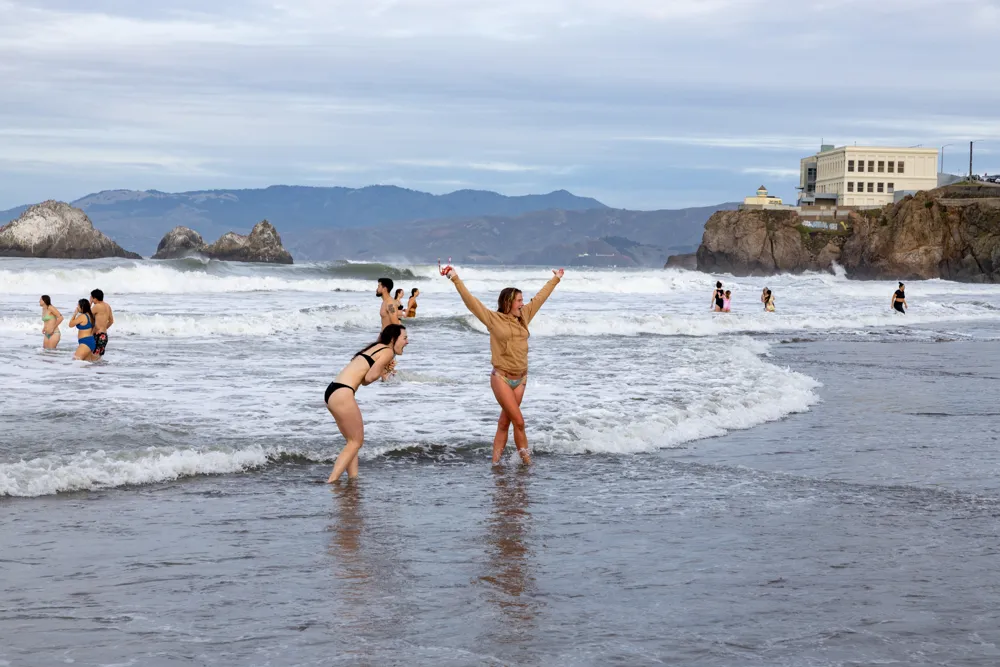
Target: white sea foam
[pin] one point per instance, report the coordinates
(755, 392)
(95, 470)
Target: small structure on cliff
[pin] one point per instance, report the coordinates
(761, 200)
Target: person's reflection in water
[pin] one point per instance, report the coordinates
(352, 571)
(511, 576)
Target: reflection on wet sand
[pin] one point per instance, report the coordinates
(510, 570)
(353, 572)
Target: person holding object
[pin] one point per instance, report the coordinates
(371, 363)
(508, 327)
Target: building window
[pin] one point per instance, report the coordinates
(900, 165)
(890, 188)
(850, 186)
(850, 165)
(880, 185)
(871, 186)
(871, 166)
(861, 186)
(892, 166)
(881, 166)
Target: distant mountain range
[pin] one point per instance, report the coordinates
(596, 237)
(388, 222)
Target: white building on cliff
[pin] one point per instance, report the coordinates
(865, 175)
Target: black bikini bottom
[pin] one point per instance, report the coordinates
(334, 386)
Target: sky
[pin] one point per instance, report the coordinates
(642, 104)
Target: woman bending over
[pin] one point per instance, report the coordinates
(371, 363)
(508, 327)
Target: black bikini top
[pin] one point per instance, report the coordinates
(371, 362)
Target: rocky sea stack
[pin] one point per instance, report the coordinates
(951, 233)
(57, 230)
(262, 245)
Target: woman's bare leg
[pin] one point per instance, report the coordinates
(510, 405)
(82, 353)
(345, 410)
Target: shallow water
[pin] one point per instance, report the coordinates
(812, 488)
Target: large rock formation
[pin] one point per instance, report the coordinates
(58, 230)
(180, 242)
(262, 245)
(688, 262)
(761, 242)
(951, 232)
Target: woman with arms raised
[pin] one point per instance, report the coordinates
(371, 363)
(508, 327)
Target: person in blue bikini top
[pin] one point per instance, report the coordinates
(83, 320)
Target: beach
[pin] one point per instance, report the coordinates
(811, 487)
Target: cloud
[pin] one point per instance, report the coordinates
(618, 99)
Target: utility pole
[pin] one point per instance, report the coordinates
(970, 160)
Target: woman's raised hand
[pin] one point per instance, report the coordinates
(450, 273)
(558, 272)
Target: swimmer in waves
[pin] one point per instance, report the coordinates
(372, 362)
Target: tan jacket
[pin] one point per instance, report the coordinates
(508, 334)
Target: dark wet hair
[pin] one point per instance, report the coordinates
(900, 284)
(398, 292)
(506, 299)
(46, 300)
(413, 292)
(85, 308)
(718, 284)
(97, 294)
(728, 292)
(386, 283)
(389, 336)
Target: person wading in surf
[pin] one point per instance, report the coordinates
(899, 299)
(368, 365)
(388, 312)
(717, 296)
(508, 327)
(103, 320)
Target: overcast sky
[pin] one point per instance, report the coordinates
(640, 103)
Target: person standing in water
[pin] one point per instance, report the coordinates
(388, 311)
(398, 300)
(726, 300)
(83, 320)
(508, 327)
(899, 299)
(768, 300)
(717, 296)
(103, 319)
(368, 365)
(411, 305)
(51, 319)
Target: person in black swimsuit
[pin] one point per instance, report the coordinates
(899, 299)
(371, 363)
(717, 297)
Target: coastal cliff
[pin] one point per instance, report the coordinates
(951, 232)
(57, 230)
(262, 245)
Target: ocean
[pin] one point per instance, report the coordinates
(815, 486)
